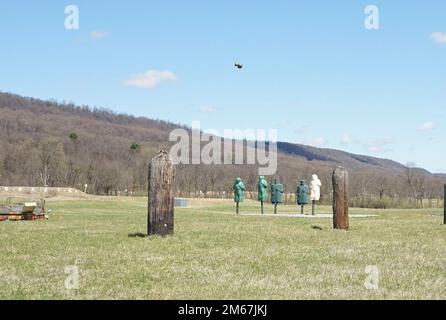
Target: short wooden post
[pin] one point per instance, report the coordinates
(275, 208)
(237, 208)
(161, 195)
(340, 199)
(302, 209)
(313, 204)
(261, 206)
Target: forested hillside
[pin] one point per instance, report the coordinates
(45, 143)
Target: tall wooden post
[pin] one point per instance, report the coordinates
(444, 205)
(161, 195)
(340, 199)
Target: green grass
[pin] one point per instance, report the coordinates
(217, 255)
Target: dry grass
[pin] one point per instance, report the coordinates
(220, 256)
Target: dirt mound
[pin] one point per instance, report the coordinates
(53, 194)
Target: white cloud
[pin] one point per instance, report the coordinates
(150, 79)
(208, 109)
(439, 37)
(346, 139)
(98, 35)
(380, 145)
(316, 142)
(376, 149)
(427, 126)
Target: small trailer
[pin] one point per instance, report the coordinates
(28, 211)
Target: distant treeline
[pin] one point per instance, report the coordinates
(46, 143)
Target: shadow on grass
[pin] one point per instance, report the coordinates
(138, 235)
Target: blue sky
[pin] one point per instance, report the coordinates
(311, 68)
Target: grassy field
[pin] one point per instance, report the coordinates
(217, 255)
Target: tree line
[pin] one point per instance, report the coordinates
(46, 143)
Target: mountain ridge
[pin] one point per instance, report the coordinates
(109, 151)
(308, 152)
(305, 151)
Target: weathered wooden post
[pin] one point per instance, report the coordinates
(161, 195)
(444, 205)
(340, 199)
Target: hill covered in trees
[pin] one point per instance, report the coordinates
(46, 143)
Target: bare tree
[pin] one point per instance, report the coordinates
(410, 179)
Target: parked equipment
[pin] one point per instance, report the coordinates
(29, 211)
